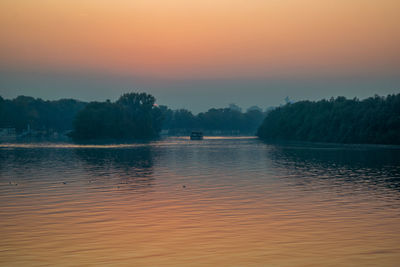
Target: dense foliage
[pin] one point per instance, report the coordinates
(375, 120)
(22, 111)
(221, 120)
(132, 116)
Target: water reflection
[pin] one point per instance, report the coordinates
(372, 166)
(244, 203)
(42, 166)
(130, 166)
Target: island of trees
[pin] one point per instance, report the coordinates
(375, 120)
(132, 116)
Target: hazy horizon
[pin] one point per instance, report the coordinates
(200, 54)
(196, 96)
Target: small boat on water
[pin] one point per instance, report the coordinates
(196, 136)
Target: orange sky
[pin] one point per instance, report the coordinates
(177, 39)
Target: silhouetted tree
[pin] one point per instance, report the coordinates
(39, 114)
(222, 120)
(257, 108)
(373, 120)
(133, 115)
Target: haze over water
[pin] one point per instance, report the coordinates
(220, 201)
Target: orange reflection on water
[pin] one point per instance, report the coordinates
(157, 216)
(181, 227)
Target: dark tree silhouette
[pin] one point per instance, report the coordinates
(132, 116)
(375, 120)
(39, 114)
(218, 121)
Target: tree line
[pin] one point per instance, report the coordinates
(39, 114)
(230, 120)
(375, 120)
(133, 115)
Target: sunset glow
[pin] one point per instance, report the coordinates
(199, 133)
(185, 39)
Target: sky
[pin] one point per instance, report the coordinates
(201, 53)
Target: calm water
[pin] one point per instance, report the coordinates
(216, 202)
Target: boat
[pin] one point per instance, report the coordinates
(196, 136)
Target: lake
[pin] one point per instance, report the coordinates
(221, 201)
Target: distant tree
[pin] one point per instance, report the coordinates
(39, 114)
(3, 120)
(253, 119)
(257, 108)
(288, 101)
(225, 120)
(222, 119)
(373, 120)
(133, 115)
(167, 115)
(268, 109)
(99, 120)
(235, 107)
(136, 102)
(183, 119)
